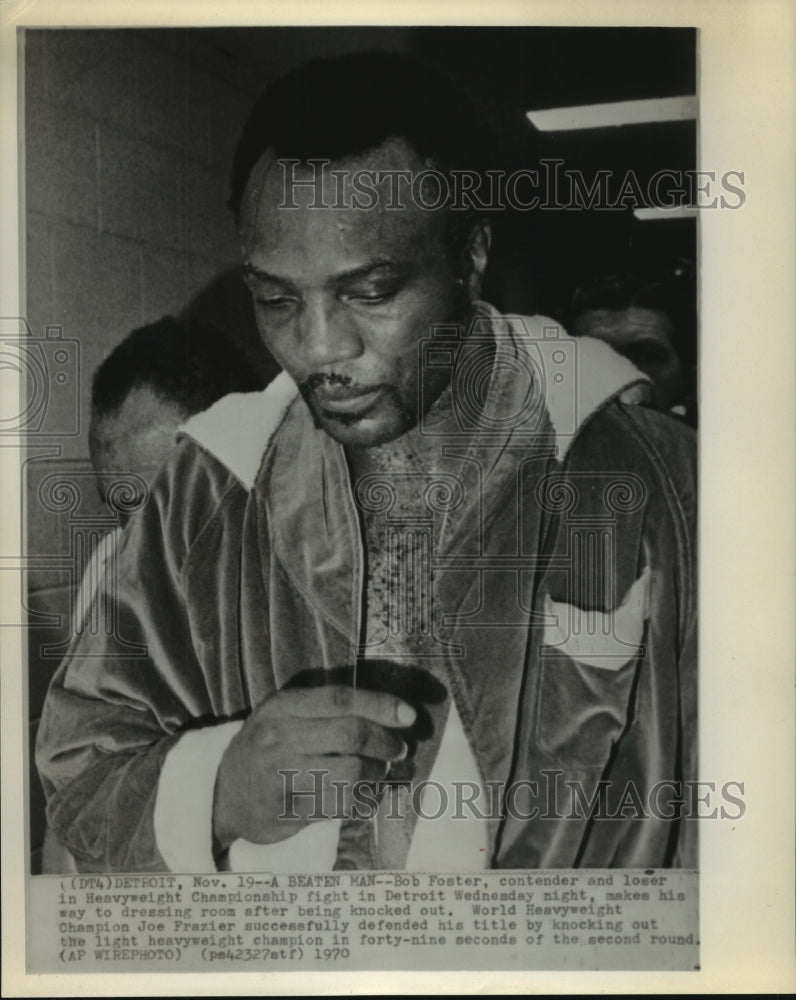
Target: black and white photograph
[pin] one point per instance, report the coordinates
(360, 455)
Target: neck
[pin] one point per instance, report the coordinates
(416, 449)
(422, 448)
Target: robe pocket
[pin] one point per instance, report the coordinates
(588, 660)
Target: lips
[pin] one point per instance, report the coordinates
(341, 399)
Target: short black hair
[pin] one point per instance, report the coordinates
(668, 288)
(189, 364)
(332, 109)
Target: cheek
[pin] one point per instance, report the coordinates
(394, 349)
(401, 335)
(280, 340)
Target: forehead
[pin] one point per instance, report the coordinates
(343, 212)
(625, 325)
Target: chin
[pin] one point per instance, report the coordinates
(376, 426)
(362, 433)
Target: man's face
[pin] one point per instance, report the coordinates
(343, 296)
(644, 336)
(136, 440)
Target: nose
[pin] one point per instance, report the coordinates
(328, 334)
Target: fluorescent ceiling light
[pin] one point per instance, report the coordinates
(657, 213)
(661, 109)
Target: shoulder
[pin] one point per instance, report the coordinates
(192, 489)
(633, 432)
(577, 376)
(657, 450)
(214, 465)
(665, 443)
(237, 430)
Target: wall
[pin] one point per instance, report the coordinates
(127, 142)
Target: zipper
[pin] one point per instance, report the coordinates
(355, 520)
(359, 557)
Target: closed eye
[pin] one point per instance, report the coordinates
(371, 299)
(373, 296)
(275, 302)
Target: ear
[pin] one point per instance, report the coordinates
(476, 257)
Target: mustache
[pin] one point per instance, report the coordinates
(315, 381)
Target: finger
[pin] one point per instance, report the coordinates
(355, 735)
(339, 700)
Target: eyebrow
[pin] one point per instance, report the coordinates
(354, 273)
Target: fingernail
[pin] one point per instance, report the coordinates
(406, 714)
(403, 753)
